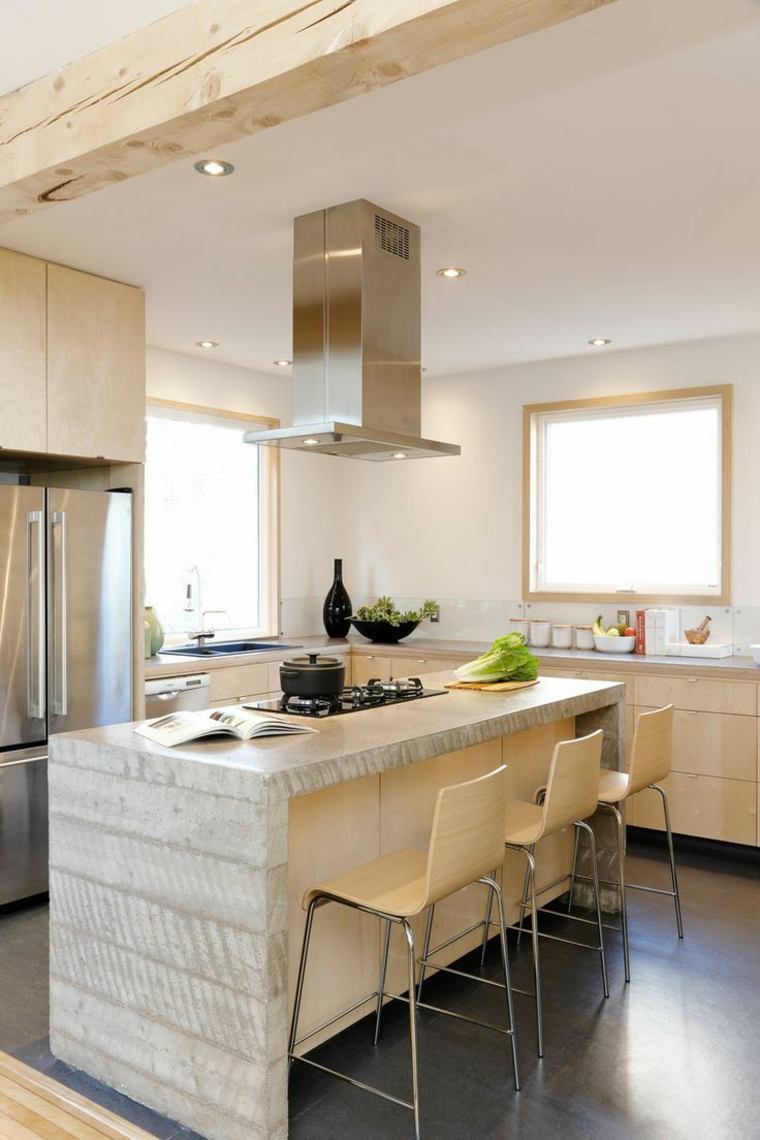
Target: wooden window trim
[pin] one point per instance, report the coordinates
(725, 392)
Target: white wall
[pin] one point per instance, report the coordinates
(451, 528)
(310, 484)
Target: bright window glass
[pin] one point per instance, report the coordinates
(204, 523)
(628, 498)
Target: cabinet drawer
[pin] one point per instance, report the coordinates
(419, 666)
(704, 806)
(553, 671)
(370, 665)
(230, 684)
(714, 744)
(696, 693)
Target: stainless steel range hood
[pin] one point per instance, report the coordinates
(356, 338)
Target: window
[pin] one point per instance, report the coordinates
(210, 523)
(629, 496)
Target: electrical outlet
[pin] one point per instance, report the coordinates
(436, 617)
(624, 617)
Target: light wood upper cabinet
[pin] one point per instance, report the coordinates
(96, 367)
(22, 353)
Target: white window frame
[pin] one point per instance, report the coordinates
(269, 508)
(536, 417)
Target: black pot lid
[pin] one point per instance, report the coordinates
(314, 661)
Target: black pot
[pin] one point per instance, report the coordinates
(384, 631)
(313, 676)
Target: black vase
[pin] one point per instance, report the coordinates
(336, 612)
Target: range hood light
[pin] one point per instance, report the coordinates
(311, 443)
(282, 363)
(207, 343)
(451, 272)
(399, 455)
(599, 341)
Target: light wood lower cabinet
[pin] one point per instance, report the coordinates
(419, 666)
(23, 385)
(714, 744)
(370, 665)
(698, 694)
(705, 806)
(238, 682)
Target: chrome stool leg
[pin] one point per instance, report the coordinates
(524, 902)
(531, 875)
(495, 889)
(621, 875)
(411, 961)
(425, 950)
(575, 867)
(671, 853)
(487, 923)
(381, 987)
(301, 978)
(597, 897)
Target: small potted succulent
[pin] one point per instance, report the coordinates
(382, 622)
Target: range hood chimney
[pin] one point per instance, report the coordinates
(356, 338)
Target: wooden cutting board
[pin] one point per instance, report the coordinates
(493, 687)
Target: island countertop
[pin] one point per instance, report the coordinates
(358, 744)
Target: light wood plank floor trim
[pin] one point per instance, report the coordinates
(34, 1107)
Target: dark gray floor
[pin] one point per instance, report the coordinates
(674, 1055)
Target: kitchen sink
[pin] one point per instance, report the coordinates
(223, 648)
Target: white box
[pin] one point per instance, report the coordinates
(684, 649)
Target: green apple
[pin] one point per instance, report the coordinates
(613, 632)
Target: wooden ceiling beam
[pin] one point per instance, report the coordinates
(215, 71)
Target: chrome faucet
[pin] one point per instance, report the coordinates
(204, 633)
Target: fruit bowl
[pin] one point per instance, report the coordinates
(614, 644)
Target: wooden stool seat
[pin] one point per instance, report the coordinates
(393, 884)
(466, 843)
(651, 755)
(613, 786)
(524, 823)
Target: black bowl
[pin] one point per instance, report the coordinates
(383, 631)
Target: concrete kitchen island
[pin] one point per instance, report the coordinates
(176, 878)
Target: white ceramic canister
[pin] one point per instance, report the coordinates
(562, 636)
(520, 625)
(540, 632)
(584, 637)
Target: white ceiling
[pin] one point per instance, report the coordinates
(39, 36)
(600, 178)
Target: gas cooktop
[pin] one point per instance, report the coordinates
(355, 698)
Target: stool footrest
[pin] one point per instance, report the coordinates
(450, 1012)
(352, 1081)
(628, 886)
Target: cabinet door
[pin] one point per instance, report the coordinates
(96, 367)
(714, 744)
(22, 353)
(703, 805)
(698, 693)
(237, 681)
(365, 667)
(419, 666)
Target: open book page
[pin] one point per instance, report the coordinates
(183, 726)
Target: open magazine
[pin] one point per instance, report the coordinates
(181, 727)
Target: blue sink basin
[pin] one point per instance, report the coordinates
(223, 648)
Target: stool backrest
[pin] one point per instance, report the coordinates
(572, 790)
(652, 751)
(467, 836)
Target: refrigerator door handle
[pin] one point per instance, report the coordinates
(60, 620)
(35, 560)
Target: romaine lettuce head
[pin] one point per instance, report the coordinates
(508, 659)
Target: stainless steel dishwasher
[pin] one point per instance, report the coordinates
(169, 694)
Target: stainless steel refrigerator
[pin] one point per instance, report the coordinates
(65, 650)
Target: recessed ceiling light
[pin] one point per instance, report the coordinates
(283, 363)
(600, 341)
(451, 271)
(214, 167)
(310, 442)
(399, 455)
(207, 343)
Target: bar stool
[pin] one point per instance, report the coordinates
(466, 841)
(570, 796)
(651, 760)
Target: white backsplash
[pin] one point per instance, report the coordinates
(470, 619)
